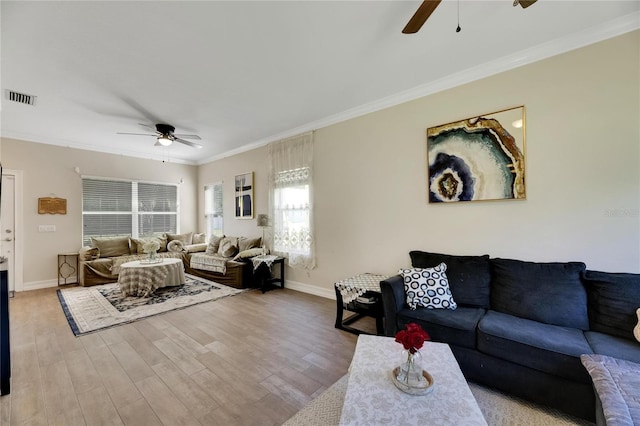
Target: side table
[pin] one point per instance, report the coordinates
(362, 296)
(269, 261)
(67, 268)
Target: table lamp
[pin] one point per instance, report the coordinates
(263, 222)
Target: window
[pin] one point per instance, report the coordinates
(112, 208)
(291, 200)
(213, 209)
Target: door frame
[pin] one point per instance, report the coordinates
(18, 235)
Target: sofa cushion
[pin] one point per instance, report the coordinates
(137, 244)
(617, 347)
(247, 254)
(214, 245)
(469, 276)
(549, 348)
(175, 246)
(427, 288)
(454, 327)
(249, 243)
(186, 238)
(88, 253)
(613, 300)
(551, 293)
(111, 247)
(200, 238)
(228, 247)
(195, 248)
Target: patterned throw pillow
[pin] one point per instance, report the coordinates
(228, 247)
(175, 246)
(199, 238)
(214, 245)
(428, 288)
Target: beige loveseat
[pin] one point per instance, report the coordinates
(100, 263)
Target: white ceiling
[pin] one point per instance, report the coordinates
(241, 74)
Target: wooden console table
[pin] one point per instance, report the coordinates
(347, 293)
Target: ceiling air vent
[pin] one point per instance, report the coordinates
(20, 97)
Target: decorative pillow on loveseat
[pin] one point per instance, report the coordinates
(228, 247)
(200, 238)
(245, 244)
(111, 247)
(214, 245)
(613, 300)
(175, 246)
(89, 253)
(137, 244)
(428, 288)
(469, 276)
(551, 293)
(185, 238)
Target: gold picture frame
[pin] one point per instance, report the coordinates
(478, 158)
(52, 205)
(243, 196)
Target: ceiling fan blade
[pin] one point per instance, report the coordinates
(524, 3)
(191, 144)
(420, 17)
(148, 126)
(179, 135)
(136, 134)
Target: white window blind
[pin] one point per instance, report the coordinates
(213, 209)
(113, 208)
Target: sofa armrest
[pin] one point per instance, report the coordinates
(393, 300)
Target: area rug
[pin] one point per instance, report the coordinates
(90, 309)
(497, 408)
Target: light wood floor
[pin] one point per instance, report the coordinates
(250, 359)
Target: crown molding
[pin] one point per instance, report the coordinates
(595, 34)
(75, 145)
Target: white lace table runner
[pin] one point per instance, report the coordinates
(353, 287)
(267, 259)
(373, 399)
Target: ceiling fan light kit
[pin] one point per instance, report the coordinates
(164, 140)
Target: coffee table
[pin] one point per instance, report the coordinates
(373, 399)
(141, 279)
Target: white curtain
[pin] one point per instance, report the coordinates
(291, 199)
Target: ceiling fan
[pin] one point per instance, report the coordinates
(164, 133)
(428, 6)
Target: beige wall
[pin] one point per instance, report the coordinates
(225, 171)
(582, 176)
(49, 169)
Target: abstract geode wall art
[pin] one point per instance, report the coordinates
(480, 158)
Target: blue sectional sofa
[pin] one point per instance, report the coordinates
(521, 327)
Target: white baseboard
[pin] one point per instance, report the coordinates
(310, 289)
(292, 285)
(37, 285)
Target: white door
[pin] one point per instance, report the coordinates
(7, 226)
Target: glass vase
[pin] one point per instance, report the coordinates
(152, 256)
(410, 372)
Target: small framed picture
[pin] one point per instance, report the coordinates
(244, 196)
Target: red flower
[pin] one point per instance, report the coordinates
(412, 337)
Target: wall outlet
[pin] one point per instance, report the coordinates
(46, 228)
